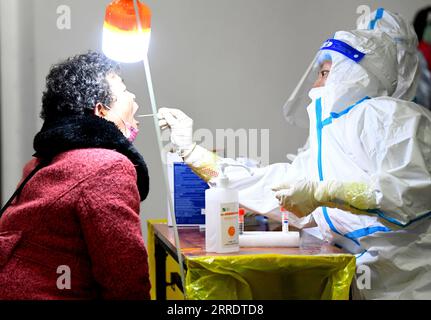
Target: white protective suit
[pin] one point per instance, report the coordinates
(359, 134)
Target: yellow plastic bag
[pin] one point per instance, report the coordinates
(270, 276)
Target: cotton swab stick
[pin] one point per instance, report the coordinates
(146, 115)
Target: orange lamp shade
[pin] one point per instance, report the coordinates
(123, 39)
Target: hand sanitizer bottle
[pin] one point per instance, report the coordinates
(221, 216)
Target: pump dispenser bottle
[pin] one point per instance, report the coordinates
(221, 215)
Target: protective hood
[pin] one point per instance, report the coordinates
(364, 64)
(402, 32)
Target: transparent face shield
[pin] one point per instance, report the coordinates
(295, 109)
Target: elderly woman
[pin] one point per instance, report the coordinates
(72, 229)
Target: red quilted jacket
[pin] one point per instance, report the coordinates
(81, 212)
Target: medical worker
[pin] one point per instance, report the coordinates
(373, 155)
(410, 87)
(365, 179)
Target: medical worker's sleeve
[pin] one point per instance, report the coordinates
(255, 191)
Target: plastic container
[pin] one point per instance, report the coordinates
(221, 218)
(221, 215)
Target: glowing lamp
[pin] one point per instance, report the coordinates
(126, 35)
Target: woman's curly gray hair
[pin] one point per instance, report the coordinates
(75, 86)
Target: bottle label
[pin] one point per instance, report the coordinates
(229, 224)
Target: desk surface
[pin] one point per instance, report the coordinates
(192, 242)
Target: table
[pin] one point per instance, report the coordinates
(192, 242)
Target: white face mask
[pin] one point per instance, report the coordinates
(316, 93)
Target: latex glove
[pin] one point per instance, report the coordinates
(181, 129)
(297, 197)
(303, 197)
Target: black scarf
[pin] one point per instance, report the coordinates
(88, 131)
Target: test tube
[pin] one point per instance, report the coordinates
(241, 213)
(284, 220)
